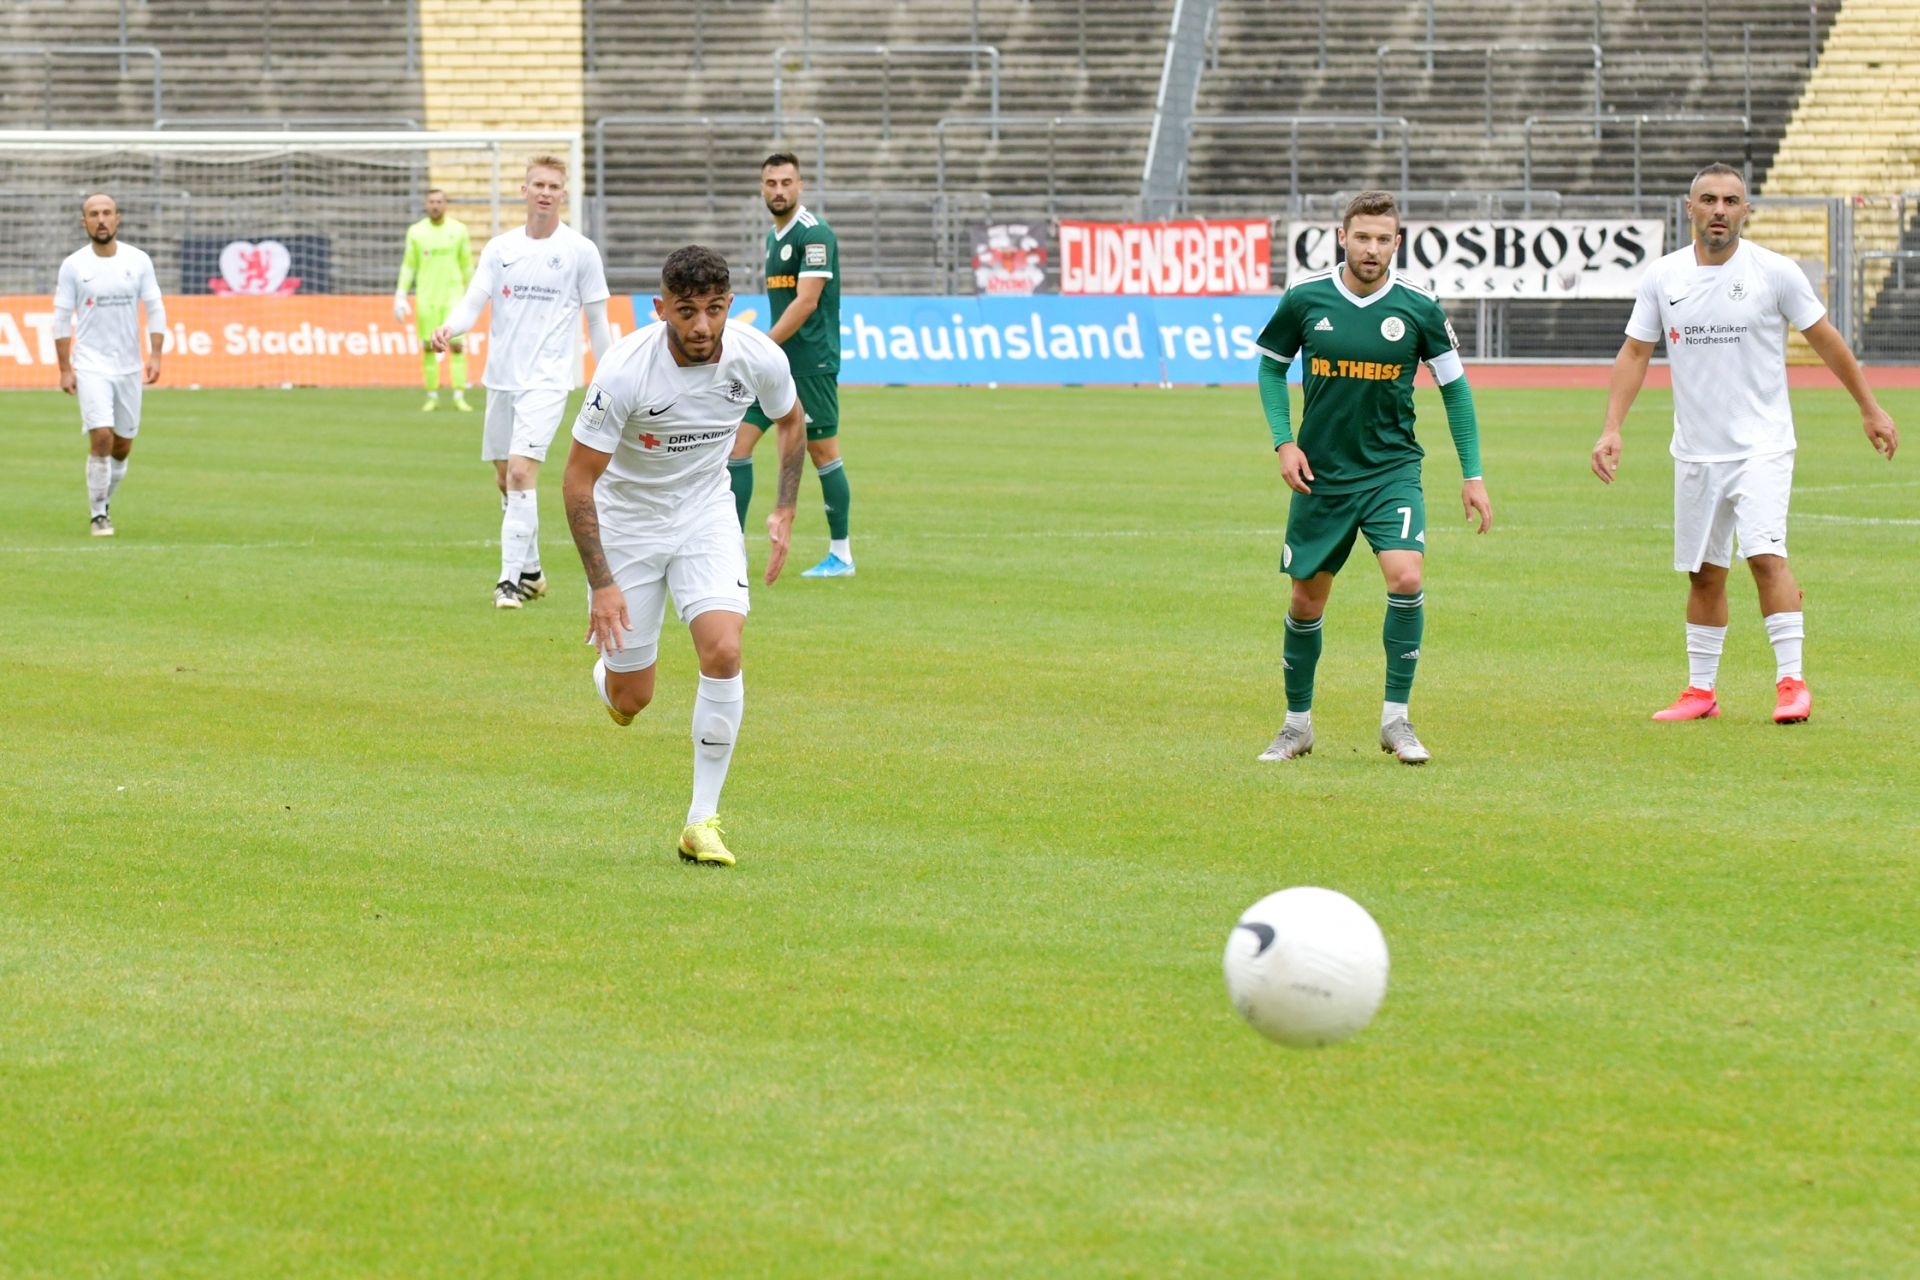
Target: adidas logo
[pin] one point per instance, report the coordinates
(1410, 655)
(1325, 326)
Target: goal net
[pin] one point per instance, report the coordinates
(277, 251)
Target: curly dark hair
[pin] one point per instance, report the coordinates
(693, 271)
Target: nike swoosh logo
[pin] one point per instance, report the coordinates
(743, 583)
(1264, 932)
(654, 413)
(705, 743)
(504, 264)
(1672, 301)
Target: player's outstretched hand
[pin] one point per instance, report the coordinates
(442, 338)
(1606, 456)
(69, 381)
(400, 308)
(1473, 497)
(152, 369)
(1294, 469)
(607, 619)
(1881, 431)
(779, 531)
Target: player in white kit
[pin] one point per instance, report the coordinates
(539, 279)
(96, 338)
(1723, 304)
(652, 510)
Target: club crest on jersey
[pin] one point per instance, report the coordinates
(1739, 290)
(553, 262)
(1325, 326)
(1393, 328)
(737, 392)
(786, 253)
(594, 412)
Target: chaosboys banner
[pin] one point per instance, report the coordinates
(1541, 258)
(1166, 259)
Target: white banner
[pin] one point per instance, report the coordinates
(1505, 257)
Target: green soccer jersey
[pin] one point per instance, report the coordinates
(439, 262)
(1357, 426)
(806, 247)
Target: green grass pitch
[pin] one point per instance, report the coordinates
(341, 933)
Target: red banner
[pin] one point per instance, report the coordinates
(1166, 258)
(302, 340)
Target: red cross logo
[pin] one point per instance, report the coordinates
(649, 439)
(1673, 335)
(89, 301)
(506, 291)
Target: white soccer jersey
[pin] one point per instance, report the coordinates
(537, 288)
(671, 428)
(103, 296)
(1726, 335)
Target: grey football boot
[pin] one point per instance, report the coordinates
(1397, 737)
(1290, 743)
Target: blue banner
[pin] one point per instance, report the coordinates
(913, 340)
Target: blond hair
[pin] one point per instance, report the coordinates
(552, 162)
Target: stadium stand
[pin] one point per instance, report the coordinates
(882, 117)
(901, 156)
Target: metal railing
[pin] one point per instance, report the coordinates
(777, 122)
(287, 122)
(1294, 123)
(1639, 122)
(886, 53)
(48, 52)
(1896, 269)
(1430, 47)
(1051, 123)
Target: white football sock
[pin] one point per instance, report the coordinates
(716, 723)
(1298, 720)
(1704, 646)
(98, 483)
(116, 472)
(519, 526)
(600, 681)
(842, 547)
(1788, 632)
(1391, 711)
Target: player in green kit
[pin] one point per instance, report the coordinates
(438, 264)
(1355, 467)
(803, 289)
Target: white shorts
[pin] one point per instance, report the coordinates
(107, 400)
(521, 422)
(703, 562)
(1716, 502)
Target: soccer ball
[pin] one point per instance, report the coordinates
(1306, 966)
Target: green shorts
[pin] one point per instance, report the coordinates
(820, 393)
(428, 316)
(1321, 527)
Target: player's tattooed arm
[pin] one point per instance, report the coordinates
(584, 466)
(793, 450)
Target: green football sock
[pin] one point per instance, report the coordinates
(838, 495)
(740, 476)
(458, 359)
(1300, 654)
(1406, 618)
(430, 371)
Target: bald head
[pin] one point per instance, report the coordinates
(101, 217)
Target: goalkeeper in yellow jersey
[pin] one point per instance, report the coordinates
(438, 265)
